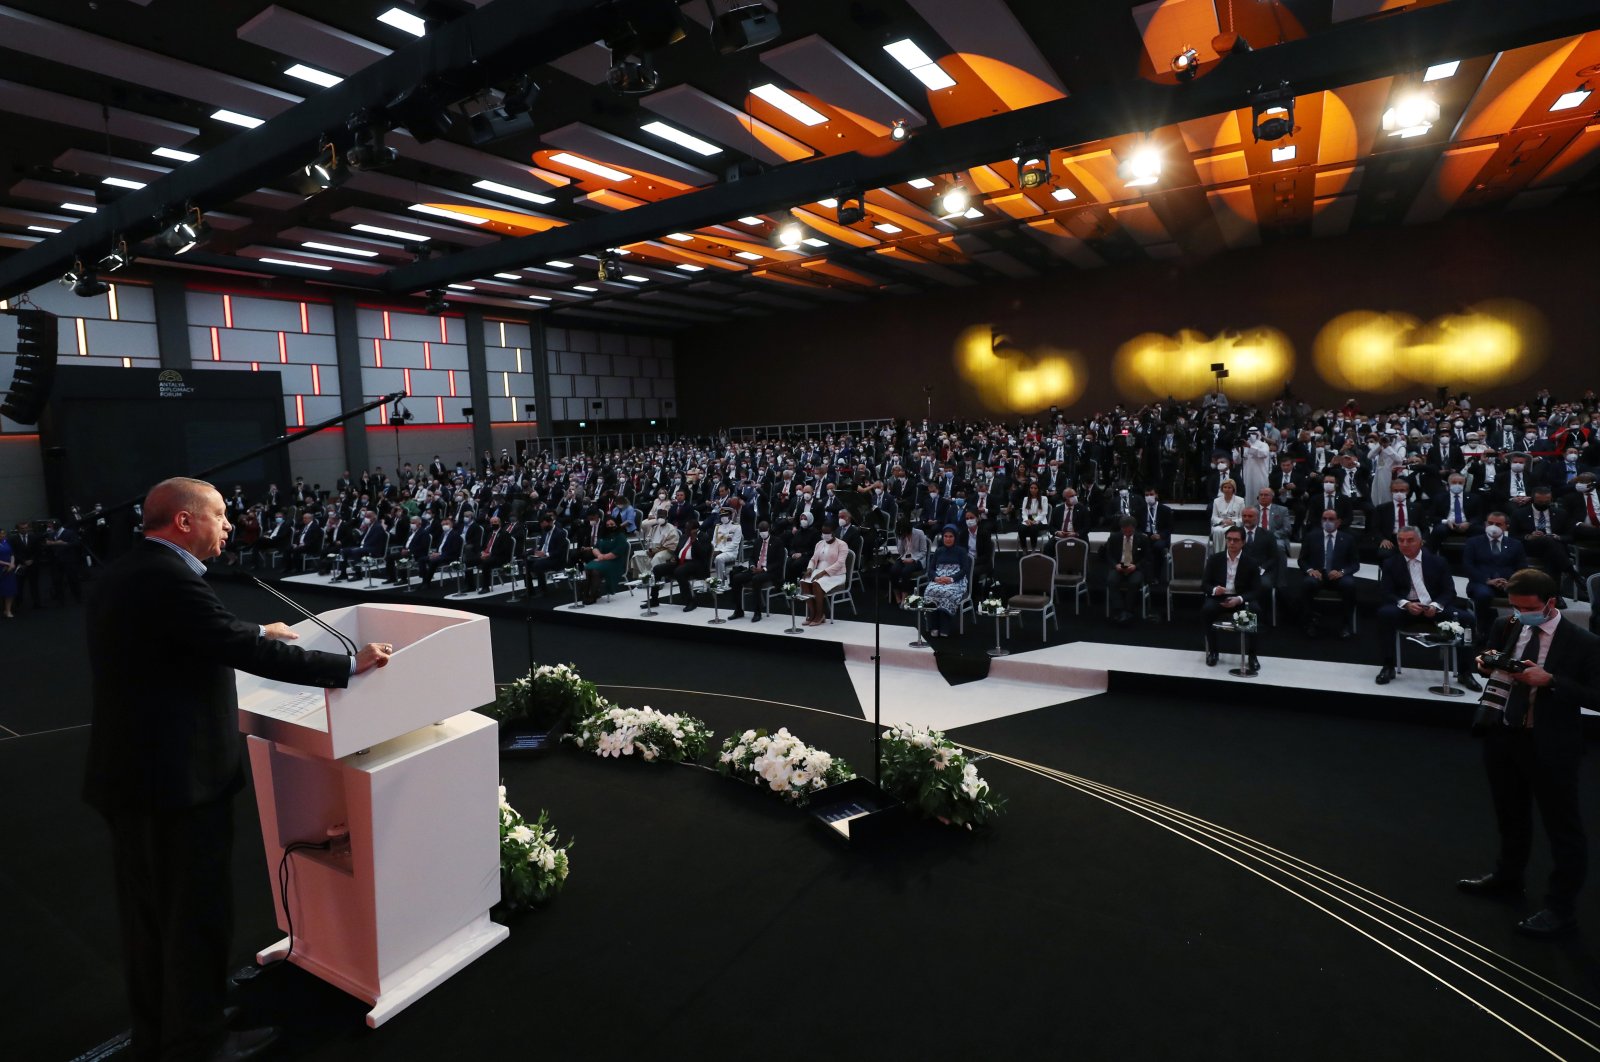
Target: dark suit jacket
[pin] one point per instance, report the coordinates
(1574, 660)
(1396, 579)
(1080, 519)
(1263, 552)
(1247, 580)
(1443, 509)
(1480, 563)
(1111, 548)
(313, 538)
(162, 653)
(1344, 557)
(1382, 527)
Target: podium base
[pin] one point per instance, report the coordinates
(410, 982)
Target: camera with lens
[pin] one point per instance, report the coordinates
(1498, 660)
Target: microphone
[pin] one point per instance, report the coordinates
(350, 646)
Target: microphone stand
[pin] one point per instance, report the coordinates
(344, 640)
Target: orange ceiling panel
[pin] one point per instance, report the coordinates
(1521, 78)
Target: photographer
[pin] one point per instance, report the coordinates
(1531, 748)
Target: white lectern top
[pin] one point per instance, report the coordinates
(442, 665)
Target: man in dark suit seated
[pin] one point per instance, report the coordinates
(1543, 527)
(1126, 553)
(1329, 564)
(446, 551)
(765, 569)
(1154, 519)
(374, 543)
(1231, 583)
(547, 553)
(1387, 519)
(1489, 560)
(1455, 513)
(1416, 589)
(934, 510)
(668, 565)
(1532, 753)
(418, 541)
(164, 763)
(498, 549)
(1261, 546)
(694, 561)
(307, 540)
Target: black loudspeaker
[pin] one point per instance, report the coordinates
(38, 346)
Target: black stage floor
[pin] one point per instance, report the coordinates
(705, 920)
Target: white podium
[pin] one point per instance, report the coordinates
(401, 761)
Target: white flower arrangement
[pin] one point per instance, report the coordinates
(914, 601)
(1449, 630)
(989, 606)
(787, 765)
(533, 861)
(934, 777)
(791, 589)
(618, 732)
(549, 695)
(1245, 620)
(714, 584)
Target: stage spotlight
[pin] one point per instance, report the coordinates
(368, 152)
(117, 258)
(436, 303)
(789, 235)
(84, 282)
(185, 234)
(1412, 115)
(748, 26)
(632, 74)
(1272, 113)
(520, 96)
(610, 267)
(1033, 166)
(327, 170)
(954, 200)
(851, 208)
(1142, 168)
(1186, 64)
(899, 131)
(424, 111)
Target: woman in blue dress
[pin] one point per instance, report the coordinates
(949, 570)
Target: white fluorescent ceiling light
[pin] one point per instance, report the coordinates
(514, 193)
(398, 234)
(313, 75)
(922, 68)
(786, 103)
(339, 250)
(404, 20)
(297, 265)
(566, 158)
(682, 139)
(235, 118)
(441, 212)
(175, 154)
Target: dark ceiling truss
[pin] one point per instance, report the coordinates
(499, 40)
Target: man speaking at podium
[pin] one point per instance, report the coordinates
(164, 763)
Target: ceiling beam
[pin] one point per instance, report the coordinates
(1341, 56)
(473, 51)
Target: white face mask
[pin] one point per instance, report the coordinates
(1517, 466)
(763, 534)
(727, 519)
(1150, 499)
(972, 522)
(1583, 488)
(827, 537)
(1399, 498)
(1457, 488)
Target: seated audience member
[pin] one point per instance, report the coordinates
(1455, 513)
(727, 538)
(910, 551)
(275, 536)
(446, 551)
(1125, 553)
(1156, 525)
(764, 570)
(1489, 561)
(607, 561)
(802, 542)
(1231, 583)
(1033, 515)
(975, 538)
(1387, 519)
(1227, 509)
(1417, 590)
(1261, 546)
(307, 540)
(547, 552)
(825, 572)
(667, 564)
(1542, 525)
(625, 514)
(694, 560)
(1071, 519)
(1328, 564)
(934, 512)
(1277, 519)
(1585, 515)
(374, 542)
(417, 542)
(950, 569)
(1520, 480)
(660, 542)
(498, 550)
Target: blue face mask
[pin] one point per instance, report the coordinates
(1530, 619)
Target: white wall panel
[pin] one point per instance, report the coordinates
(272, 315)
(129, 339)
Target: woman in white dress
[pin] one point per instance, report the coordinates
(1382, 456)
(1227, 510)
(825, 573)
(1035, 515)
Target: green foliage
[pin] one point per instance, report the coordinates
(936, 778)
